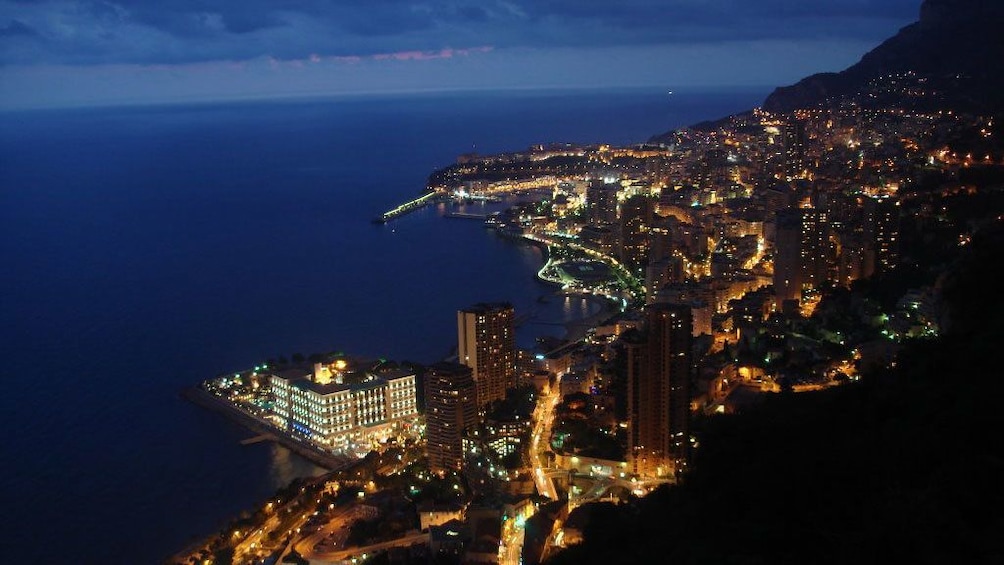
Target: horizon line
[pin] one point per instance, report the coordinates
(197, 100)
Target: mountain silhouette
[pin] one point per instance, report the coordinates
(957, 45)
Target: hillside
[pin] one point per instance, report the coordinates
(957, 44)
(903, 467)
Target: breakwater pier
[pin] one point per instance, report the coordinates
(410, 206)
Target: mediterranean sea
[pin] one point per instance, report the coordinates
(145, 249)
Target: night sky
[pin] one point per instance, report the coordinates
(74, 52)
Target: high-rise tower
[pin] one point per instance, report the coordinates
(450, 408)
(486, 336)
(602, 200)
(794, 148)
(659, 362)
(800, 252)
(636, 220)
(881, 231)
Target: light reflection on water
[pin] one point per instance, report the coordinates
(554, 311)
(285, 466)
(579, 307)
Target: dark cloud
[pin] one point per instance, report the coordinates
(188, 20)
(670, 21)
(16, 28)
(473, 13)
(164, 31)
(651, 12)
(384, 20)
(249, 22)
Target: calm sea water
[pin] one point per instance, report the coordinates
(146, 249)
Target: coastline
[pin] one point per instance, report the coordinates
(203, 398)
(184, 315)
(576, 330)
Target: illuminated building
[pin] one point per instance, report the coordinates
(701, 314)
(659, 366)
(800, 252)
(353, 410)
(601, 198)
(851, 258)
(787, 238)
(504, 435)
(661, 239)
(794, 148)
(486, 336)
(777, 197)
(636, 219)
(431, 514)
(450, 408)
(662, 272)
(600, 238)
(881, 227)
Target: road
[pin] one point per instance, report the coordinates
(332, 534)
(628, 280)
(512, 550)
(340, 556)
(543, 419)
(255, 543)
(513, 531)
(326, 545)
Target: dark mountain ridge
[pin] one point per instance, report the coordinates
(957, 45)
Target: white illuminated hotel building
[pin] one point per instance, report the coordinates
(343, 411)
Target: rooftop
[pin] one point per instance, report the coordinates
(368, 382)
(486, 307)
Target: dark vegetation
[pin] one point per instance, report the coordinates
(579, 430)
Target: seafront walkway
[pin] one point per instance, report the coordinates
(630, 282)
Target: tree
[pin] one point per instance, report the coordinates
(224, 556)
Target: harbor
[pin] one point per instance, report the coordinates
(465, 216)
